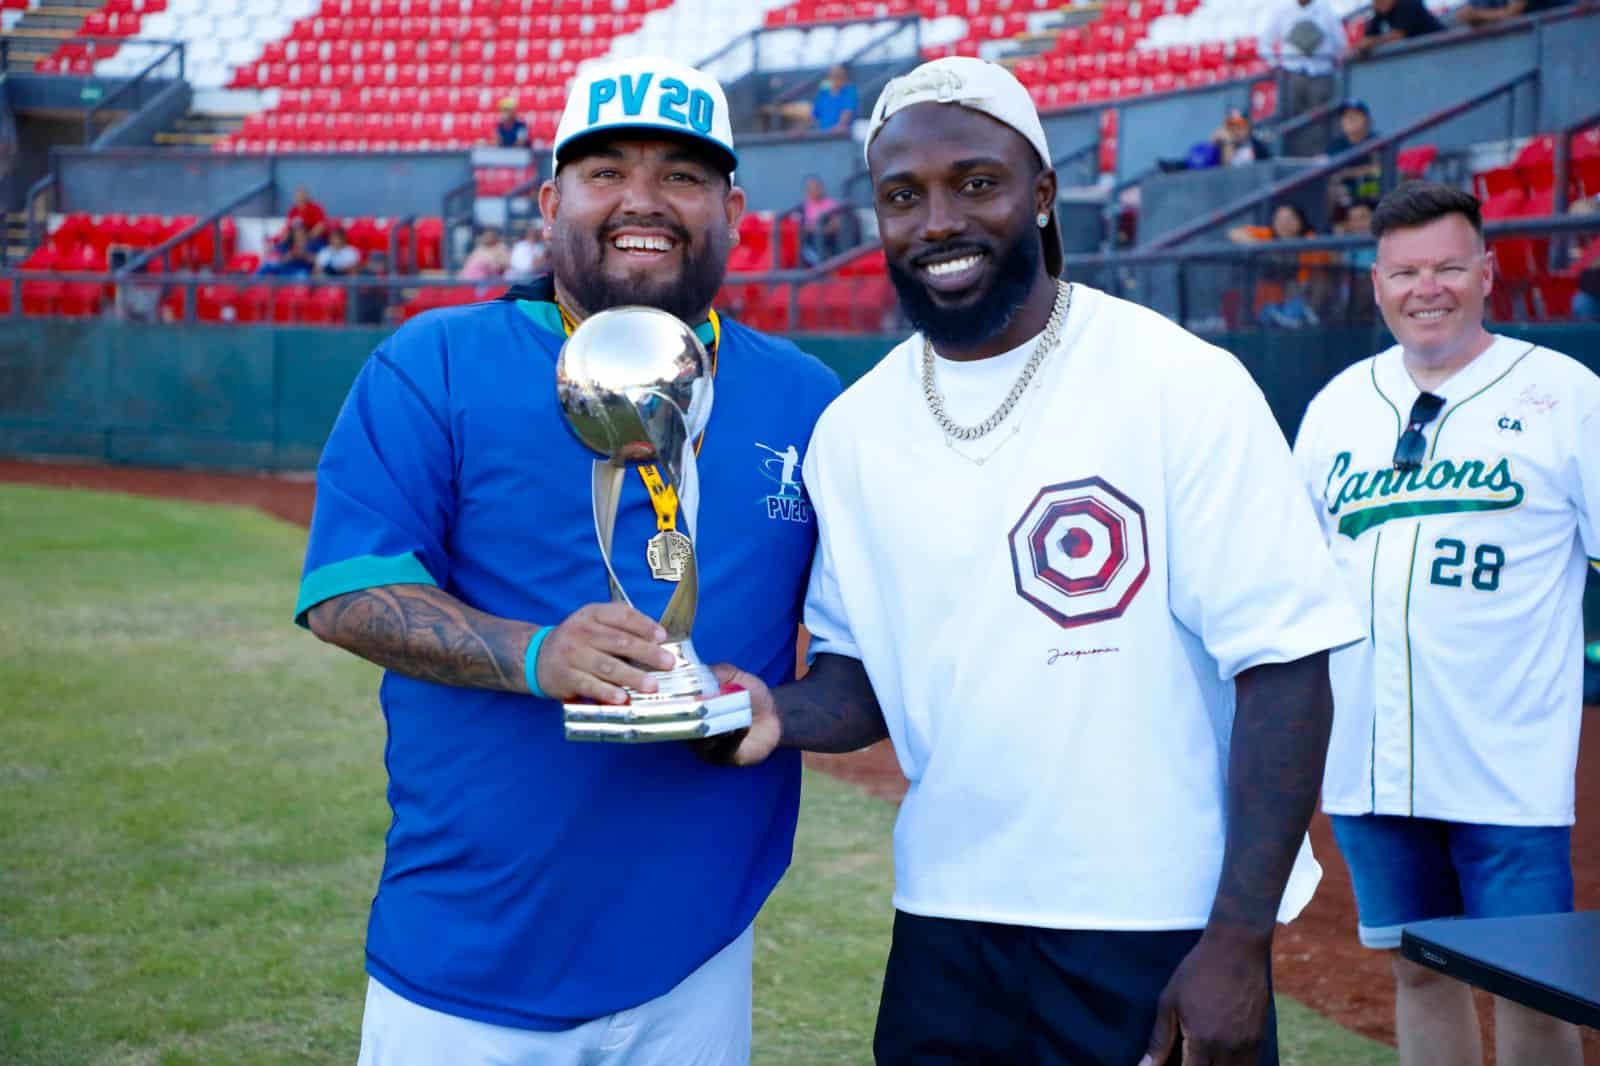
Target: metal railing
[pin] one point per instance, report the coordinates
(751, 40)
(42, 198)
(1088, 154)
(1385, 147)
(166, 49)
(370, 299)
(1217, 285)
(459, 214)
(1563, 157)
(162, 252)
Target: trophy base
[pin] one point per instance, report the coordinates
(642, 721)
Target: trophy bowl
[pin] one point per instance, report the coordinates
(626, 376)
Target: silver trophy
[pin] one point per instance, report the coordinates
(635, 384)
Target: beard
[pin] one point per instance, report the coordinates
(977, 319)
(579, 260)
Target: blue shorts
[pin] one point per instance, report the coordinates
(1411, 869)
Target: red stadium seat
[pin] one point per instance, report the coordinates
(215, 303)
(430, 243)
(81, 299)
(254, 304)
(1555, 293)
(41, 297)
(328, 305)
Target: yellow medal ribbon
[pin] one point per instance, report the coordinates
(663, 497)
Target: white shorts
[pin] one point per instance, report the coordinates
(704, 1021)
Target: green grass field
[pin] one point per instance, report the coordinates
(192, 815)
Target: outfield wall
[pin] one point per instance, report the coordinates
(263, 398)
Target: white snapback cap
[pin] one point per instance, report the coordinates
(982, 86)
(647, 94)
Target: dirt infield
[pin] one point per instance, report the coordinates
(1317, 959)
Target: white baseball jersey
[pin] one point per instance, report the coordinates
(1053, 634)
(1464, 701)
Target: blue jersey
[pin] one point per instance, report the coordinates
(529, 881)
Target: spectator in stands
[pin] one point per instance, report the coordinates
(821, 230)
(1356, 221)
(1396, 20)
(510, 131)
(835, 105)
(372, 301)
(1362, 179)
(489, 258)
(1306, 40)
(1288, 224)
(338, 256)
(294, 253)
(310, 213)
(1283, 293)
(529, 257)
(1480, 13)
(1236, 141)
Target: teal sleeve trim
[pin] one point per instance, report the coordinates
(361, 572)
(530, 663)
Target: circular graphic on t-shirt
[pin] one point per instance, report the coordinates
(1080, 553)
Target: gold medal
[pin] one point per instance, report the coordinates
(668, 552)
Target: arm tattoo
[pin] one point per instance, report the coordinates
(1280, 742)
(832, 708)
(424, 632)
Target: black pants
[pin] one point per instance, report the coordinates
(1302, 93)
(961, 993)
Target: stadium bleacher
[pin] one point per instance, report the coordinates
(343, 76)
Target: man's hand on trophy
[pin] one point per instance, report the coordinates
(598, 650)
(749, 746)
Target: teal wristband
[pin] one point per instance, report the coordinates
(530, 663)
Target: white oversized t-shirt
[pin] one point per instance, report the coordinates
(1464, 704)
(1053, 634)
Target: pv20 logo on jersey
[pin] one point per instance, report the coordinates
(788, 503)
(1080, 553)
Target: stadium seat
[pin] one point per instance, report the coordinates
(288, 301)
(328, 305)
(215, 303)
(254, 304)
(173, 303)
(41, 297)
(1555, 293)
(1414, 162)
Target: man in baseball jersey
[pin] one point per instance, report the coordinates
(543, 901)
(1457, 478)
(1062, 563)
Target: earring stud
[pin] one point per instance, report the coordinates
(1043, 220)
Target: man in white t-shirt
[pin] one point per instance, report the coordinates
(1305, 40)
(338, 256)
(1464, 530)
(1065, 564)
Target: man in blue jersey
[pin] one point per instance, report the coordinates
(543, 901)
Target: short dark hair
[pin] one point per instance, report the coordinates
(1417, 203)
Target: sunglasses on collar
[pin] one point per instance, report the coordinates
(1412, 447)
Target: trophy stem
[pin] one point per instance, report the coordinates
(605, 493)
